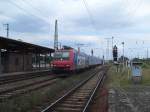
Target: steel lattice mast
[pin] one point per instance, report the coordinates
(56, 36)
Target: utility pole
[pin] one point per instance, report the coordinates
(112, 46)
(107, 50)
(112, 42)
(123, 52)
(7, 29)
(56, 36)
(147, 53)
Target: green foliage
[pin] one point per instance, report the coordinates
(146, 77)
(145, 65)
(121, 78)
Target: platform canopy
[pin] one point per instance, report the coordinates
(12, 45)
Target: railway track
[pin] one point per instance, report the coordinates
(78, 98)
(25, 88)
(15, 78)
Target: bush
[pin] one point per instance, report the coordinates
(144, 65)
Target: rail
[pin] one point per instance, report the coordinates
(94, 92)
(51, 107)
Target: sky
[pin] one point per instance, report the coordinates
(91, 23)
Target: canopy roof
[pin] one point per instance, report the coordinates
(12, 45)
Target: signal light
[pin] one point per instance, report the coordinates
(115, 53)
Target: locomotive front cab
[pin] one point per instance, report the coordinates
(62, 60)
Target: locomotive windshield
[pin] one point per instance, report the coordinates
(61, 55)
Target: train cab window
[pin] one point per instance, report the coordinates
(61, 55)
(65, 54)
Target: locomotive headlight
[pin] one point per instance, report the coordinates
(67, 65)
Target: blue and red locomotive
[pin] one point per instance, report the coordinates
(73, 60)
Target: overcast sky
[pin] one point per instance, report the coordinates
(86, 22)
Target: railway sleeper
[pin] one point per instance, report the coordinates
(82, 92)
(79, 97)
(77, 102)
(85, 91)
(72, 105)
(67, 109)
(87, 87)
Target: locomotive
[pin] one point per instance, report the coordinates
(69, 59)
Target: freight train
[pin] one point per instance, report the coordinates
(69, 59)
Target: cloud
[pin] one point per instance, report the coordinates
(33, 21)
(28, 24)
(4, 19)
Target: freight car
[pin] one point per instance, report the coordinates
(73, 60)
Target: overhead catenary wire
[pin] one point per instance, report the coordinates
(89, 14)
(132, 8)
(30, 4)
(28, 12)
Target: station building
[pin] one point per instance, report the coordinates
(18, 56)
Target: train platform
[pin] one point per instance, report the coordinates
(23, 73)
(18, 56)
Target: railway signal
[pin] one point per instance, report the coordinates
(115, 53)
(92, 52)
